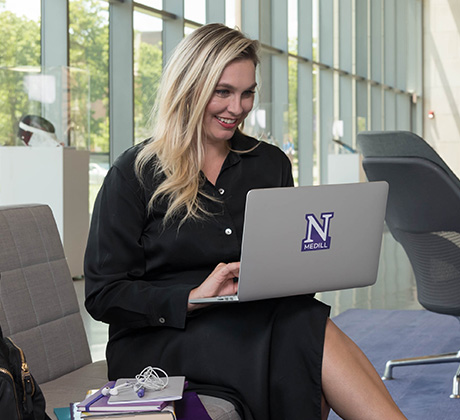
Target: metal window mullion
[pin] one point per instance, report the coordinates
(252, 22)
(345, 37)
(403, 111)
(54, 55)
(346, 64)
(326, 112)
(54, 33)
(280, 73)
(376, 108)
(412, 51)
(361, 22)
(390, 42)
(121, 78)
(376, 62)
(326, 53)
(305, 92)
(215, 11)
(305, 28)
(346, 110)
(402, 100)
(173, 29)
(305, 122)
(250, 18)
(361, 48)
(376, 40)
(390, 110)
(401, 44)
(418, 45)
(326, 84)
(336, 54)
(389, 63)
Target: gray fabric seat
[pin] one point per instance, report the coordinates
(40, 312)
(423, 215)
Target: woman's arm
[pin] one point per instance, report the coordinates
(220, 282)
(117, 291)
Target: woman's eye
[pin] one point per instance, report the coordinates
(249, 93)
(222, 92)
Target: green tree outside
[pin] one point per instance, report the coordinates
(89, 50)
(20, 47)
(148, 65)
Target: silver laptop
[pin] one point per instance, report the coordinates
(303, 240)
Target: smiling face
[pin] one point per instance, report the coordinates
(231, 101)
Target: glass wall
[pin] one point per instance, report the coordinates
(329, 68)
(89, 50)
(19, 59)
(361, 78)
(195, 10)
(148, 59)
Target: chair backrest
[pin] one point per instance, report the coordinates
(38, 303)
(423, 211)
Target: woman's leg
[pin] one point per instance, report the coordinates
(325, 409)
(351, 385)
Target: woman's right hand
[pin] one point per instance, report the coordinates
(219, 283)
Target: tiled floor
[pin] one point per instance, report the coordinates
(394, 289)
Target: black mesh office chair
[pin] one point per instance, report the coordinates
(423, 215)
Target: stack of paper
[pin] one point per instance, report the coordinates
(155, 405)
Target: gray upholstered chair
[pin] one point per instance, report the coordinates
(39, 308)
(423, 215)
(40, 312)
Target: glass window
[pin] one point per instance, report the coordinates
(293, 26)
(290, 145)
(316, 122)
(28, 9)
(315, 29)
(231, 14)
(188, 30)
(147, 70)
(89, 50)
(195, 10)
(19, 55)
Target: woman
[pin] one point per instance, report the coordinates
(167, 227)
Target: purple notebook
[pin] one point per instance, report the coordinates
(190, 407)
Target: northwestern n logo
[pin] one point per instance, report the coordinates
(317, 236)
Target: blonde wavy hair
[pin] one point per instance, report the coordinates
(187, 84)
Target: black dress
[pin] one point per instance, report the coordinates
(263, 356)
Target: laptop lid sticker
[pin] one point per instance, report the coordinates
(317, 235)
